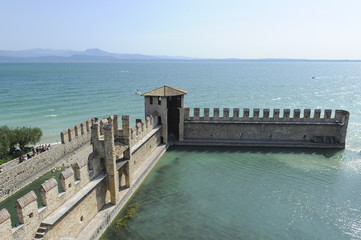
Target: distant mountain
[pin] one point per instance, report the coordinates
(38, 52)
(98, 55)
(89, 55)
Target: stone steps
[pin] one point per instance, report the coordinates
(40, 233)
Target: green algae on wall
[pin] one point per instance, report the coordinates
(10, 202)
(121, 223)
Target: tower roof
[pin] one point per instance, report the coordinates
(165, 91)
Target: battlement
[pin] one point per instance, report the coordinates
(271, 128)
(141, 129)
(256, 115)
(77, 132)
(27, 211)
(126, 135)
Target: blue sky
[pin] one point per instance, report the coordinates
(326, 29)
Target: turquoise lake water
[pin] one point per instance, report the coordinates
(212, 193)
(230, 193)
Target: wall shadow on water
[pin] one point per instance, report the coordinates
(328, 153)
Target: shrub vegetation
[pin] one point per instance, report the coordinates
(21, 136)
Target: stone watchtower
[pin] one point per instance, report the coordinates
(167, 105)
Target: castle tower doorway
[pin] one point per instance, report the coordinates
(174, 103)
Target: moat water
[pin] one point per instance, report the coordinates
(211, 193)
(230, 193)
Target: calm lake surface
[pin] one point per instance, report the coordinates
(211, 193)
(230, 193)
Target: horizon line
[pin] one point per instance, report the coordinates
(165, 57)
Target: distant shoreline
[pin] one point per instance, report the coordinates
(102, 60)
(99, 56)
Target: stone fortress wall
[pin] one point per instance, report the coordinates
(121, 156)
(99, 179)
(266, 130)
(16, 176)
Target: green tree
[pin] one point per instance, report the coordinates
(24, 136)
(36, 135)
(13, 139)
(4, 140)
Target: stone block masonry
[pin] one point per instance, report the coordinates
(254, 129)
(18, 175)
(117, 155)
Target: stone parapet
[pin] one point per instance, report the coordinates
(141, 129)
(28, 213)
(268, 128)
(257, 114)
(18, 175)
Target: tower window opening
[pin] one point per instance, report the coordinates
(151, 100)
(159, 100)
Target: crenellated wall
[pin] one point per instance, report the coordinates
(124, 154)
(78, 135)
(141, 129)
(17, 175)
(130, 142)
(31, 217)
(266, 115)
(266, 128)
(120, 157)
(84, 193)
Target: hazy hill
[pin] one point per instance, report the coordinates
(98, 55)
(89, 55)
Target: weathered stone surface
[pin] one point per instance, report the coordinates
(49, 194)
(67, 173)
(5, 225)
(4, 215)
(81, 163)
(26, 200)
(48, 185)
(27, 212)
(277, 131)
